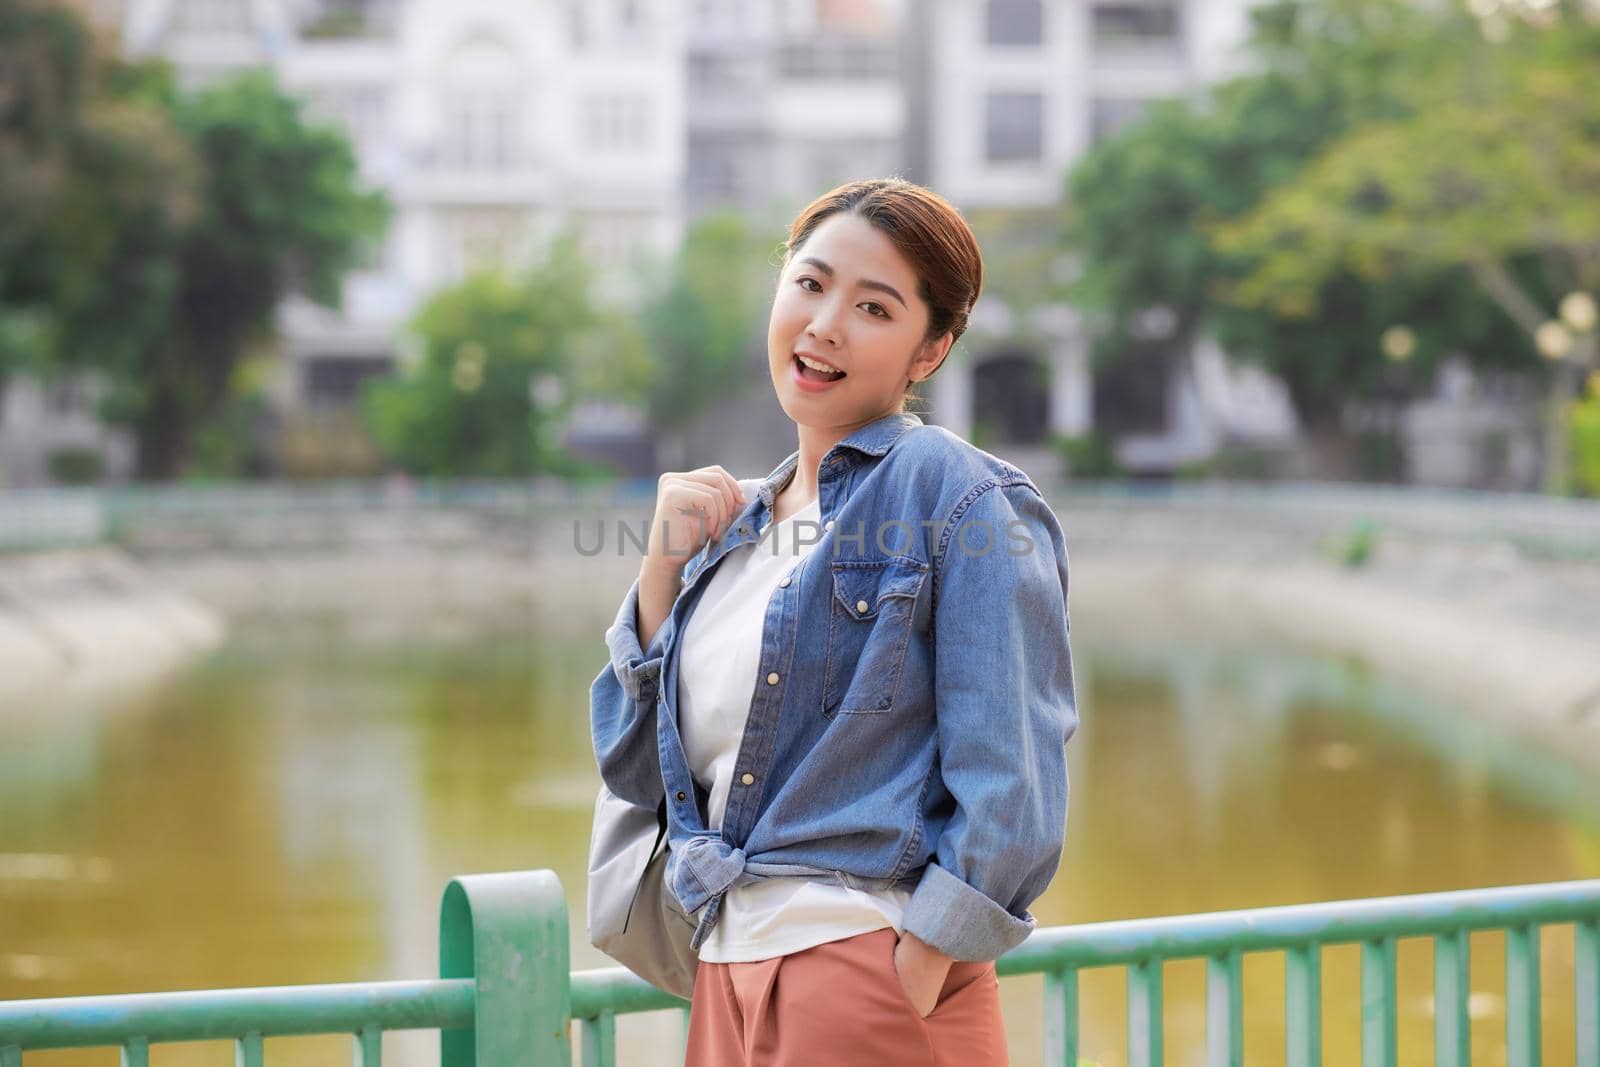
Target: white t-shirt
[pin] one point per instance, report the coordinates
(719, 657)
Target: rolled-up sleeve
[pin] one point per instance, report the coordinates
(1006, 707)
(622, 709)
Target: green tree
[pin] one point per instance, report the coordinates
(281, 213)
(96, 187)
(706, 318)
(501, 359)
(1586, 440)
(1141, 206)
(1491, 173)
(152, 234)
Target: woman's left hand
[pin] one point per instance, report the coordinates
(922, 970)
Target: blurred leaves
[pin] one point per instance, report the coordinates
(152, 234)
(1585, 431)
(1498, 157)
(705, 319)
(501, 361)
(1167, 213)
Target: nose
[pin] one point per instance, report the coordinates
(824, 324)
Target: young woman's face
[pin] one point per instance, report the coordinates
(848, 298)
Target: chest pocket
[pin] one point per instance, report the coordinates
(869, 625)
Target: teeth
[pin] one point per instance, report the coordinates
(814, 365)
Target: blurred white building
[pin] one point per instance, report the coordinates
(489, 125)
(788, 98)
(1007, 96)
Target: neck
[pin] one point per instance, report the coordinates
(814, 444)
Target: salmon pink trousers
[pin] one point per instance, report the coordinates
(840, 1004)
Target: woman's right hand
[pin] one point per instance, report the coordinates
(692, 507)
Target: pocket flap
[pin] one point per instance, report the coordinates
(860, 585)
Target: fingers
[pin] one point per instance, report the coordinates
(718, 477)
(710, 489)
(709, 503)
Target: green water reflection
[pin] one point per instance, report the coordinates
(290, 810)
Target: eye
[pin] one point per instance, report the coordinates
(878, 308)
(802, 281)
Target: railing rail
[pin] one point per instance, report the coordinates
(506, 994)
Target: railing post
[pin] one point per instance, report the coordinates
(1378, 1019)
(1225, 1010)
(1303, 1006)
(508, 932)
(1061, 1017)
(1586, 992)
(1452, 1030)
(1145, 1046)
(1522, 995)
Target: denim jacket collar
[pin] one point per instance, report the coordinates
(873, 439)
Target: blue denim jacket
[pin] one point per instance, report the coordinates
(909, 719)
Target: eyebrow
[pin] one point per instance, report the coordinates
(882, 287)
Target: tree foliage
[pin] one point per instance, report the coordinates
(501, 359)
(1497, 156)
(705, 320)
(152, 234)
(95, 190)
(1146, 204)
(281, 212)
(1490, 174)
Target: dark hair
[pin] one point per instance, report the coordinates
(925, 228)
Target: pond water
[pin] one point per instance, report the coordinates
(290, 810)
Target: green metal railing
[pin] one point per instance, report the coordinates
(506, 994)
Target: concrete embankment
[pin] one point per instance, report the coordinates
(86, 622)
(1491, 602)
(1468, 646)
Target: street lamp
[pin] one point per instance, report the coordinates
(1553, 340)
(1399, 343)
(1578, 311)
(1569, 342)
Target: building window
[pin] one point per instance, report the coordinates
(724, 74)
(1015, 22)
(838, 58)
(724, 15)
(616, 123)
(578, 23)
(833, 162)
(478, 130)
(1152, 22)
(482, 90)
(359, 110)
(611, 240)
(210, 17)
(486, 238)
(1108, 116)
(1014, 127)
(722, 168)
(334, 382)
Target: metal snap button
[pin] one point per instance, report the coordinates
(772, 679)
(680, 794)
(784, 581)
(862, 606)
(828, 525)
(748, 779)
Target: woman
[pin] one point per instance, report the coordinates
(851, 678)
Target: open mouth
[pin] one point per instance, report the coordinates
(812, 374)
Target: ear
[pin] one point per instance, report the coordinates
(931, 357)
